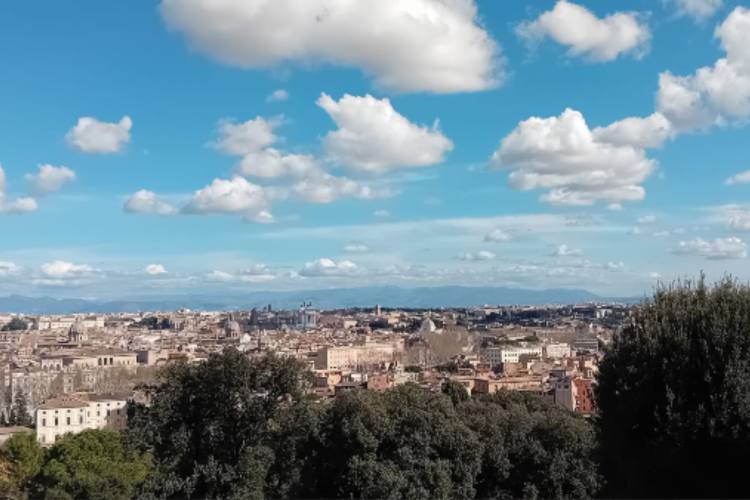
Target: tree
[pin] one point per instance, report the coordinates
(210, 427)
(93, 464)
(674, 395)
(19, 411)
(15, 324)
(531, 448)
(21, 458)
(456, 391)
(403, 443)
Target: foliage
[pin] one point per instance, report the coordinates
(403, 443)
(14, 325)
(21, 458)
(93, 464)
(531, 448)
(19, 413)
(674, 395)
(209, 424)
(456, 391)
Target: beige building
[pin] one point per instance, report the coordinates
(358, 356)
(72, 414)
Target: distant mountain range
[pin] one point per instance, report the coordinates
(389, 296)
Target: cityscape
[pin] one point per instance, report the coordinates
(413, 249)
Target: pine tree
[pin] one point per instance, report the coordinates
(20, 410)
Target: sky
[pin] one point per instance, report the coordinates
(205, 146)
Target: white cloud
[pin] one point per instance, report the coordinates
(60, 269)
(373, 137)
(93, 136)
(329, 267)
(497, 235)
(270, 163)
(381, 213)
(278, 95)
(17, 205)
(155, 269)
(229, 196)
(50, 178)
(355, 247)
(699, 10)
(566, 251)
(647, 219)
(563, 155)
(325, 188)
(739, 220)
(741, 178)
(714, 95)
(147, 202)
(9, 269)
(615, 266)
(246, 137)
(221, 276)
(642, 133)
(719, 248)
(409, 45)
(586, 35)
(477, 256)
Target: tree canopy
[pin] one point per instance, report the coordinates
(674, 395)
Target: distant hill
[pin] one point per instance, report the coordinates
(388, 296)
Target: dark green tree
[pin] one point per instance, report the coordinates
(21, 458)
(456, 391)
(19, 412)
(674, 395)
(531, 448)
(15, 324)
(211, 427)
(403, 443)
(93, 464)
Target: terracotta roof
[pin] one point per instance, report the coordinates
(62, 402)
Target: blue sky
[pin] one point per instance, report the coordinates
(413, 143)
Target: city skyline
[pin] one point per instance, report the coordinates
(344, 144)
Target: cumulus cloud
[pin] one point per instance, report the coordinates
(497, 235)
(278, 95)
(373, 137)
(60, 269)
(586, 35)
(147, 202)
(646, 219)
(477, 256)
(9, 269)
(713, 95)
(155, 269)
(246, 137)
(566, 251)
(740, 221)
(741, 178)
(236, 195)
(272, 163)
(325, 188)
(49, 178)
(355, 247)
(381, 213)
(719, 248)
(615, 266)
(409, 45)
(699, 10)
(14, 206)
(93, 136)
(563, 155)
(329, 267)
(638, 132)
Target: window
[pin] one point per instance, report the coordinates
(80, 419)
(44, 422)
(67, 421)
(56, 422)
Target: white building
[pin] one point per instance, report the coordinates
(507, 354)
(557, 350)
(67, 414)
